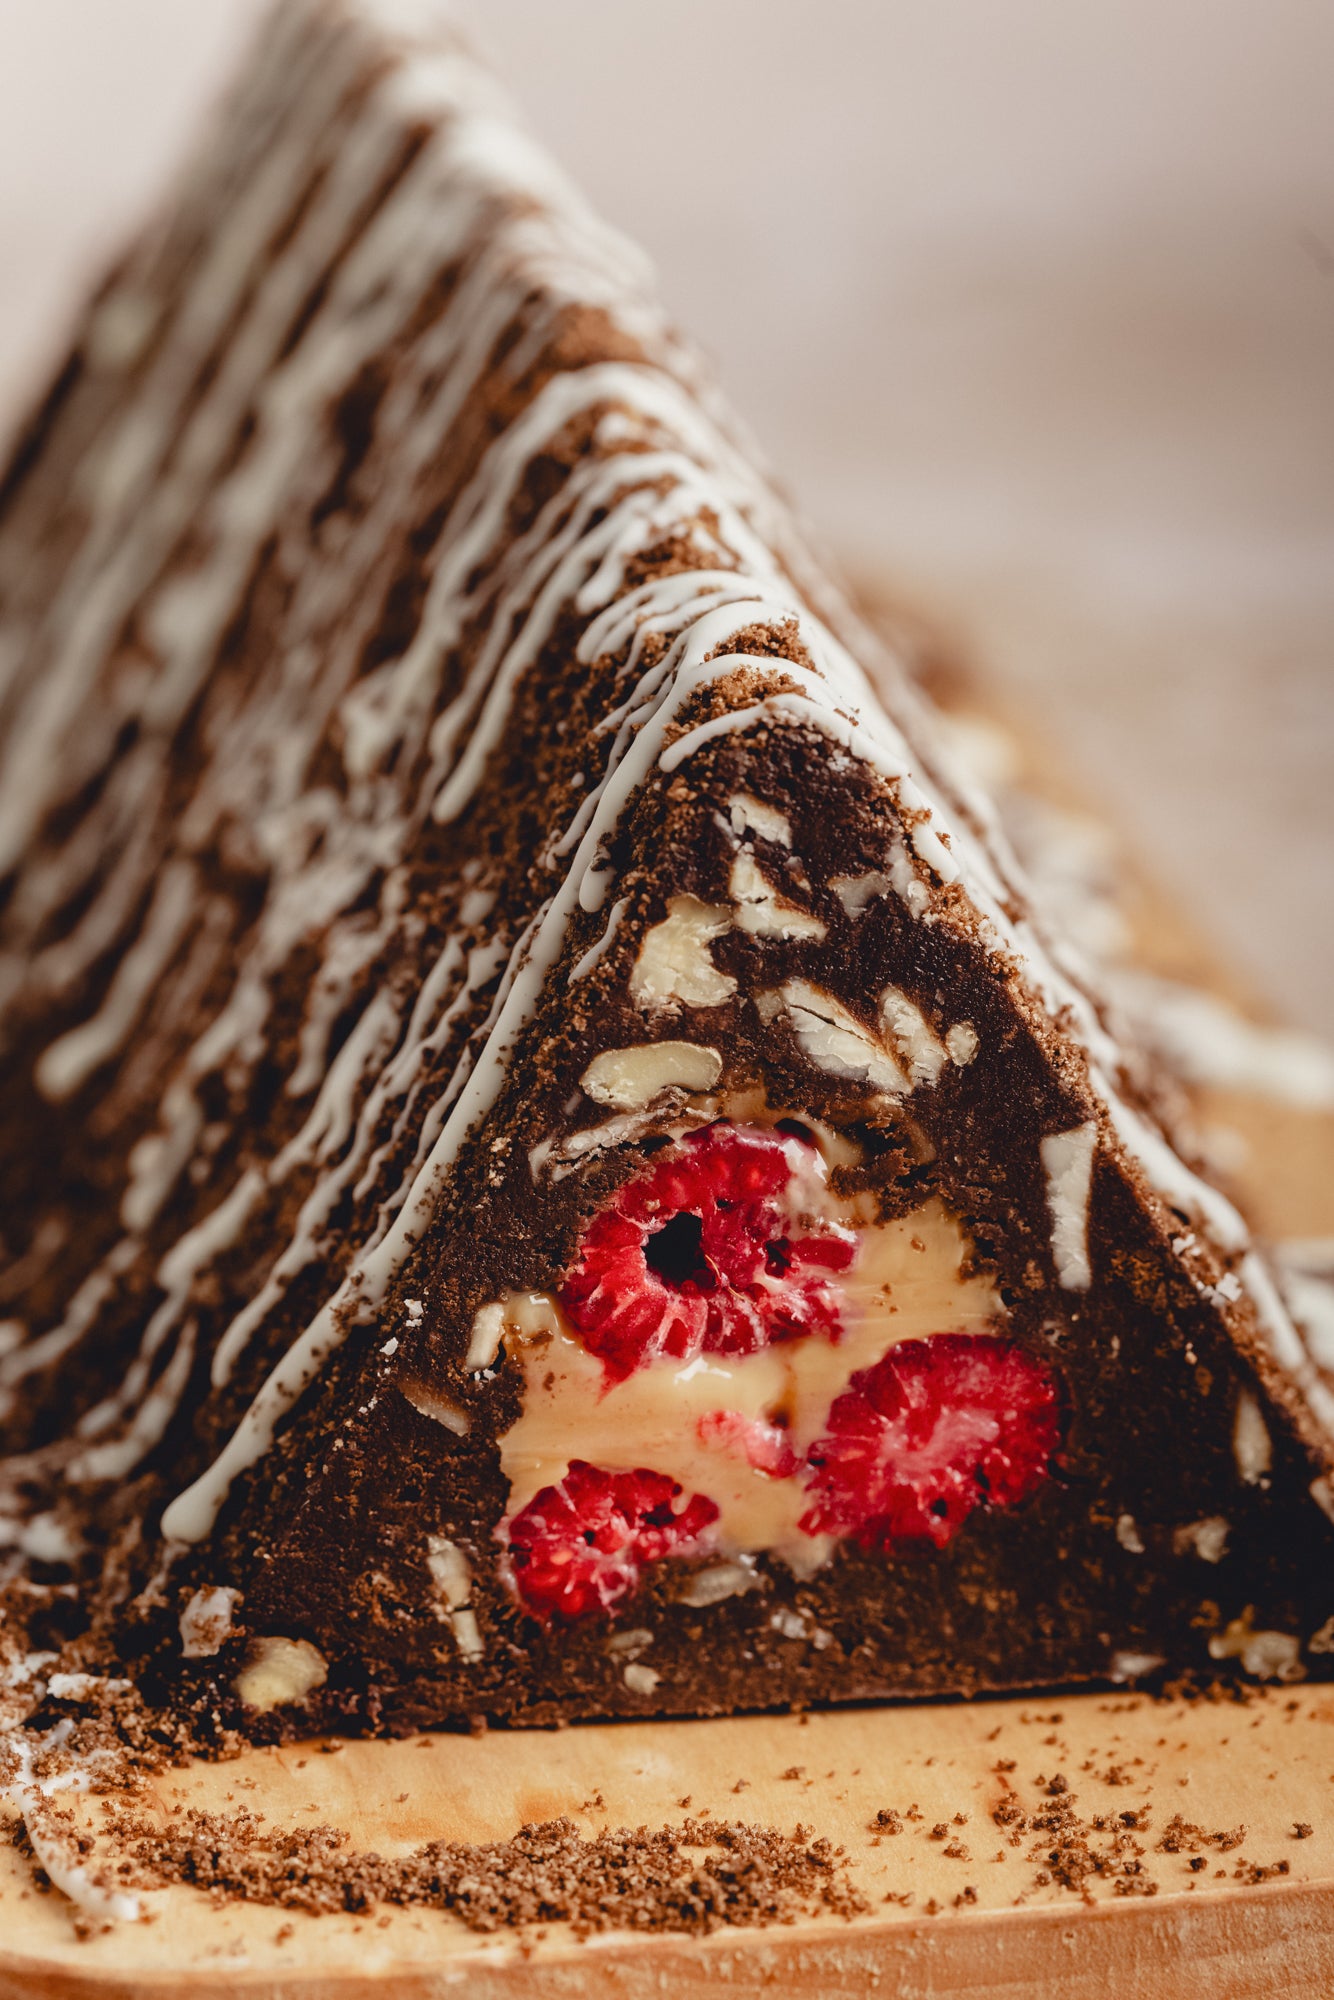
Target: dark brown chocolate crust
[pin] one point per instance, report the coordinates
(166, 819)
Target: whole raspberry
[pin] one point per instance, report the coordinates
(579, 1548)
(707, 1251)
(936, 1428)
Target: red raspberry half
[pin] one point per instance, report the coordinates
(579, 1548)
(706, 1252)
(935, 1429)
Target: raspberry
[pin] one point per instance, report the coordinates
(698, 1254)
(579, 1548)
(764, 1446)
(936, 1428)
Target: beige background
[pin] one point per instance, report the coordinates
(1031, 300)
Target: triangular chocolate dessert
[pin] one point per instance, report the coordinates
(550, 1169)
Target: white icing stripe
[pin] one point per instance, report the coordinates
(55, 1844)
(1208, 1042)
(1168, 1175)
(1312, 1303)
(65, 1066)
(1067, 1162)
(80, 1315)
(1285, 1343)
(602, 943)
(153, 1412)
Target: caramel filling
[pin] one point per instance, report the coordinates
(906, 1283)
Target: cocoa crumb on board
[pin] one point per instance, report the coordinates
(1180, 1837)
(1252, 1872)
(694, 1878)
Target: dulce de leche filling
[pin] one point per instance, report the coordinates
(731, 1428)
(906, 1284)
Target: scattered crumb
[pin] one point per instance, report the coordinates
(1252, 1873)
(1179, 1836)
(693, 1878)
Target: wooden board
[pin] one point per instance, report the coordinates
(1266, 1765)
(980, 1925)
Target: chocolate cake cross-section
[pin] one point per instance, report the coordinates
(550, 1167)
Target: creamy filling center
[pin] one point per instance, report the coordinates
(707, 1422)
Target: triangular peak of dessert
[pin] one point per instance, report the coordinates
(551, 1167)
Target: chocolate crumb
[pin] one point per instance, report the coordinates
(1181, 1837)
(694, 1878)
(1252, 1873)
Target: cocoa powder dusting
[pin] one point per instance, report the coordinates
(693, 1878)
